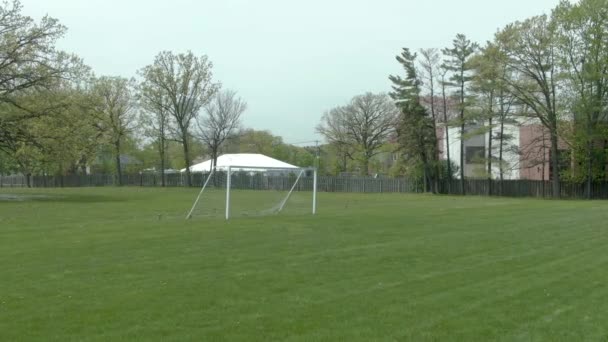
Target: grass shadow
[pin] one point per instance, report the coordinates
(20, 197)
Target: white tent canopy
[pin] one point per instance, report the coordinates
(243, 160)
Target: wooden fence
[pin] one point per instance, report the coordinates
(480, 187)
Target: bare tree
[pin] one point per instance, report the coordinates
(430, 63)
(186, 82)
(365, 124)
(114, 112)
(155, 120)
(336, 135)
(222, 119)
(446, 123)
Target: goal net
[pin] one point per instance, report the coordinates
(256, 191)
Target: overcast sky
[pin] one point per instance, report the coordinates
(290, 61)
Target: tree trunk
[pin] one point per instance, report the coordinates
(437, 169)
(187, 159)
(425, 174)
(162, 151)
(490, 157)
(214, 153)
(447, 133)
(555, 164)
(554, 139)
(83, 165)
(118, 166)
(500, 148)
(428, 183)
(365, 166)
(544, 163)
(463, 191)
(435, 140)
(162, 163)
(462, 133)
(589, 159)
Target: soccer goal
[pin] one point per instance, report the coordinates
(242, 191)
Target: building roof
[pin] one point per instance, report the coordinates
(243, 161)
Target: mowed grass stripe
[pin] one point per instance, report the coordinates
(99, 264)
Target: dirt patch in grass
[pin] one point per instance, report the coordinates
(25, 197)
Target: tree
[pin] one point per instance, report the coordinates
(505, 115)
(58, 138)
(446, 121)
(29, 65)
(222, 119)
(114, 110)
(155, 120)
(582, 30)
(415, 130)
(336, 134)
(253, 141)
(67, 139)
(458, 63)
(430, 65)
(494, 104)
(186, 82)
(532, 76)
(364, 124)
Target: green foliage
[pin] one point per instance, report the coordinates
(582, 34)
(30, 66)
(416, 135)
(458, 61)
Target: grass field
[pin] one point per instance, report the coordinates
(122, 265)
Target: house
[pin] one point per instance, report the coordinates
(525, 151)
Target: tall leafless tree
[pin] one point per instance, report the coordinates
(222, 118)
(155, 120)
(446, 118)
(365, 124)
(430, 62)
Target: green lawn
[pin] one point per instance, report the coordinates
(110, 264)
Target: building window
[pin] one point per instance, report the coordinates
(474, 154)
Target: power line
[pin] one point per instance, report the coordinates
(303, 142)
(317, 149)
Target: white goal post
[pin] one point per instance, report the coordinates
(227, 183)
